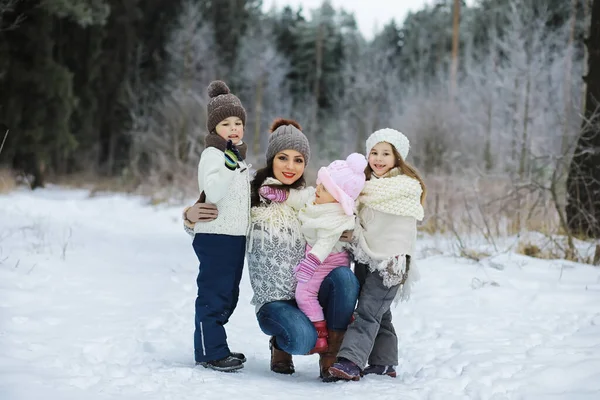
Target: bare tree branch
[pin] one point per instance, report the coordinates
(3, 140)
(8, 6)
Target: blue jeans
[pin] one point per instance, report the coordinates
(293, 331)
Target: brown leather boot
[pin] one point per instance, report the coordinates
(281, 362)
(326, 359)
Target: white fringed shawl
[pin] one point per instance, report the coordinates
(389, 208)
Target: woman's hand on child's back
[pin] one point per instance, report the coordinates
(276, 195)
(202, 212)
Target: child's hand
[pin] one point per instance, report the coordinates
(232, 156)
(276, 195)
(306, 268)
(347, 236)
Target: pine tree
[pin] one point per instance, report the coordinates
(262, 84)
(229, 19)
(38, 97)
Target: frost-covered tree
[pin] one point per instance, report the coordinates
(170, 120)
(262, 85)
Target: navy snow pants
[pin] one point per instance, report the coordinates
(221, 263)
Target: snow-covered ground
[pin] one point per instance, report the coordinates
(97, 295)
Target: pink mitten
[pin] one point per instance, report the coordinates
(274, 194)
(306, 268)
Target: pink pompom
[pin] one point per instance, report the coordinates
(357, 163)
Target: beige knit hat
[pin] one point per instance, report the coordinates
(222, 105)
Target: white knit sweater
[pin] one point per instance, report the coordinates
(275, 246)
(322, 226)
(228, 190)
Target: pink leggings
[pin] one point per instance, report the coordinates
(307, 293)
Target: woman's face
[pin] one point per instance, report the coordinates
(382, 158)
(288, 166)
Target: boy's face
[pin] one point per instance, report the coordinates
(231, 128)
(382, 158)
(322, 196)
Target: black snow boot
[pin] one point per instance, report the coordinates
(239, 356)
(226, 364)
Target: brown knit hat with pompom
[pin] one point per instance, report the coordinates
(287, 134)
(222, 104)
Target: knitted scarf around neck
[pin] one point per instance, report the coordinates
(275, 220)
(216, 141)
(394, 193)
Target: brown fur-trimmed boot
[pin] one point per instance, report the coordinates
(326, 359)
(281, 362)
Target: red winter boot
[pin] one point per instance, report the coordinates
(321, 345)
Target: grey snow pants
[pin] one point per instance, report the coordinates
(371, 338)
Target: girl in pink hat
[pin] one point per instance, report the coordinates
(324, 218)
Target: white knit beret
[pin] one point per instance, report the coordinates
(393, 137)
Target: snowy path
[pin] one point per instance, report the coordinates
(97, 294)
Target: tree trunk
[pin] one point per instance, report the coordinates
(258, 114)
(487, 153)
(583, 183)
(587, 5)
(318, 74)
(455, 38)
(514, 104)
(568, 64)
(523, 164)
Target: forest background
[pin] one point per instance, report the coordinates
(498, 99)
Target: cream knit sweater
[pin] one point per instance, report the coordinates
(386, 228)
(322, 226)
(228, 190)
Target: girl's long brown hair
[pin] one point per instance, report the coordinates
(405, 168)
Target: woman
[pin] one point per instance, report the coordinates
(276, 247)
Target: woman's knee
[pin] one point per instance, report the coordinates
(301, 339)
(294, 332)
(343, 279)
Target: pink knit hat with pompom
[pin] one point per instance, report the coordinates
(344, 179)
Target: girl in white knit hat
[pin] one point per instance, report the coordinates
(383, 244)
